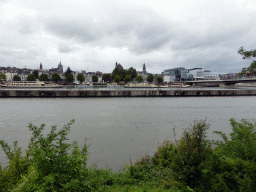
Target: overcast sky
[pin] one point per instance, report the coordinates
(93, 35)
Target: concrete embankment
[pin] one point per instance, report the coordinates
(125, 93)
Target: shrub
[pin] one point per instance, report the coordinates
(53, 166)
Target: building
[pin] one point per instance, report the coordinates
(196, 74)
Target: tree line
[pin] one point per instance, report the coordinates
(117, 75)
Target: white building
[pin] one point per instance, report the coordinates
(9, 76)
(197, 73)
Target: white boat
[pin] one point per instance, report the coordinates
(30, 84)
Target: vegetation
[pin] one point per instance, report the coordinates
(16, 78)
(122, 74)
(159, 79)
(192, 163)
(2, 77)
(127, 79)
(80, 77)
(248, 55)
(43, 77)
(31, 77)
(95, 78)
(68, 71)
(150, 78)
(117, 79)
(139, 78)
(69, 78)
(35, 72)
(106, 77)
(55, 77)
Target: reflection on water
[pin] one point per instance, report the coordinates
(119, 128)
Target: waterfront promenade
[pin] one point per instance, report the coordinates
(126, 92)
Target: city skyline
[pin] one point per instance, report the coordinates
(93, 35)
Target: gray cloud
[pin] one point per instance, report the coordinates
(65, 48)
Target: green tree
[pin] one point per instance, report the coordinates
(150, 78)
(248, 55)
(80, 77)
(117, 79)
(132, 72)
(35, 72)
(106, 77)
(68, 71)
(31, 77)
(16, 78)
(2, 77)
(43, 77)
(55, 77)
(128, 78)
(139, 78)
(95, 78)
(69, 78)
(159, 79)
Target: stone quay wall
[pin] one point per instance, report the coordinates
(125, 93)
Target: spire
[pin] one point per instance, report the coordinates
(144, 67)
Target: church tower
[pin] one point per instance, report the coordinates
(41, 66)
(144, 68)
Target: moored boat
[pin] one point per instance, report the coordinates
(30, 84)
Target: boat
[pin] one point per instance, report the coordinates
(30, 84)
(144, 85)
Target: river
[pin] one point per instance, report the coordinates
(119, 129)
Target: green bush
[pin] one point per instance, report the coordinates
(55, 164)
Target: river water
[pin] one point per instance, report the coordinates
(119, 129)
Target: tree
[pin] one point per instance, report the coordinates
(150, 78)
(2, 77)
(117, 79)
(132, 72)
(139, 78)
(31, 77)
(80, 77)
(106, 77)
(35, 72)
(16, 78)
(55, 77)
(69, 78)
(248, 55)
(43, 77)
(128, 78)
(68, 71)
(95, 78)
(159, 79)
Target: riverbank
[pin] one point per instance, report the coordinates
(126, 93)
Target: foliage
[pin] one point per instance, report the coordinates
(35, 72)
(31, 77)
(150, 78)
(69, 78)
(68, 71)
(139, 78)
(107, 77)
(16, 78)
(188, 164)
(117, 79)
(248, 55)
(159, 79)
(55, 77)
(2, 77)
(80, 77)
(53, 166)
(132, 72)
(43, 77)
(127, 78)
(95, 78)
